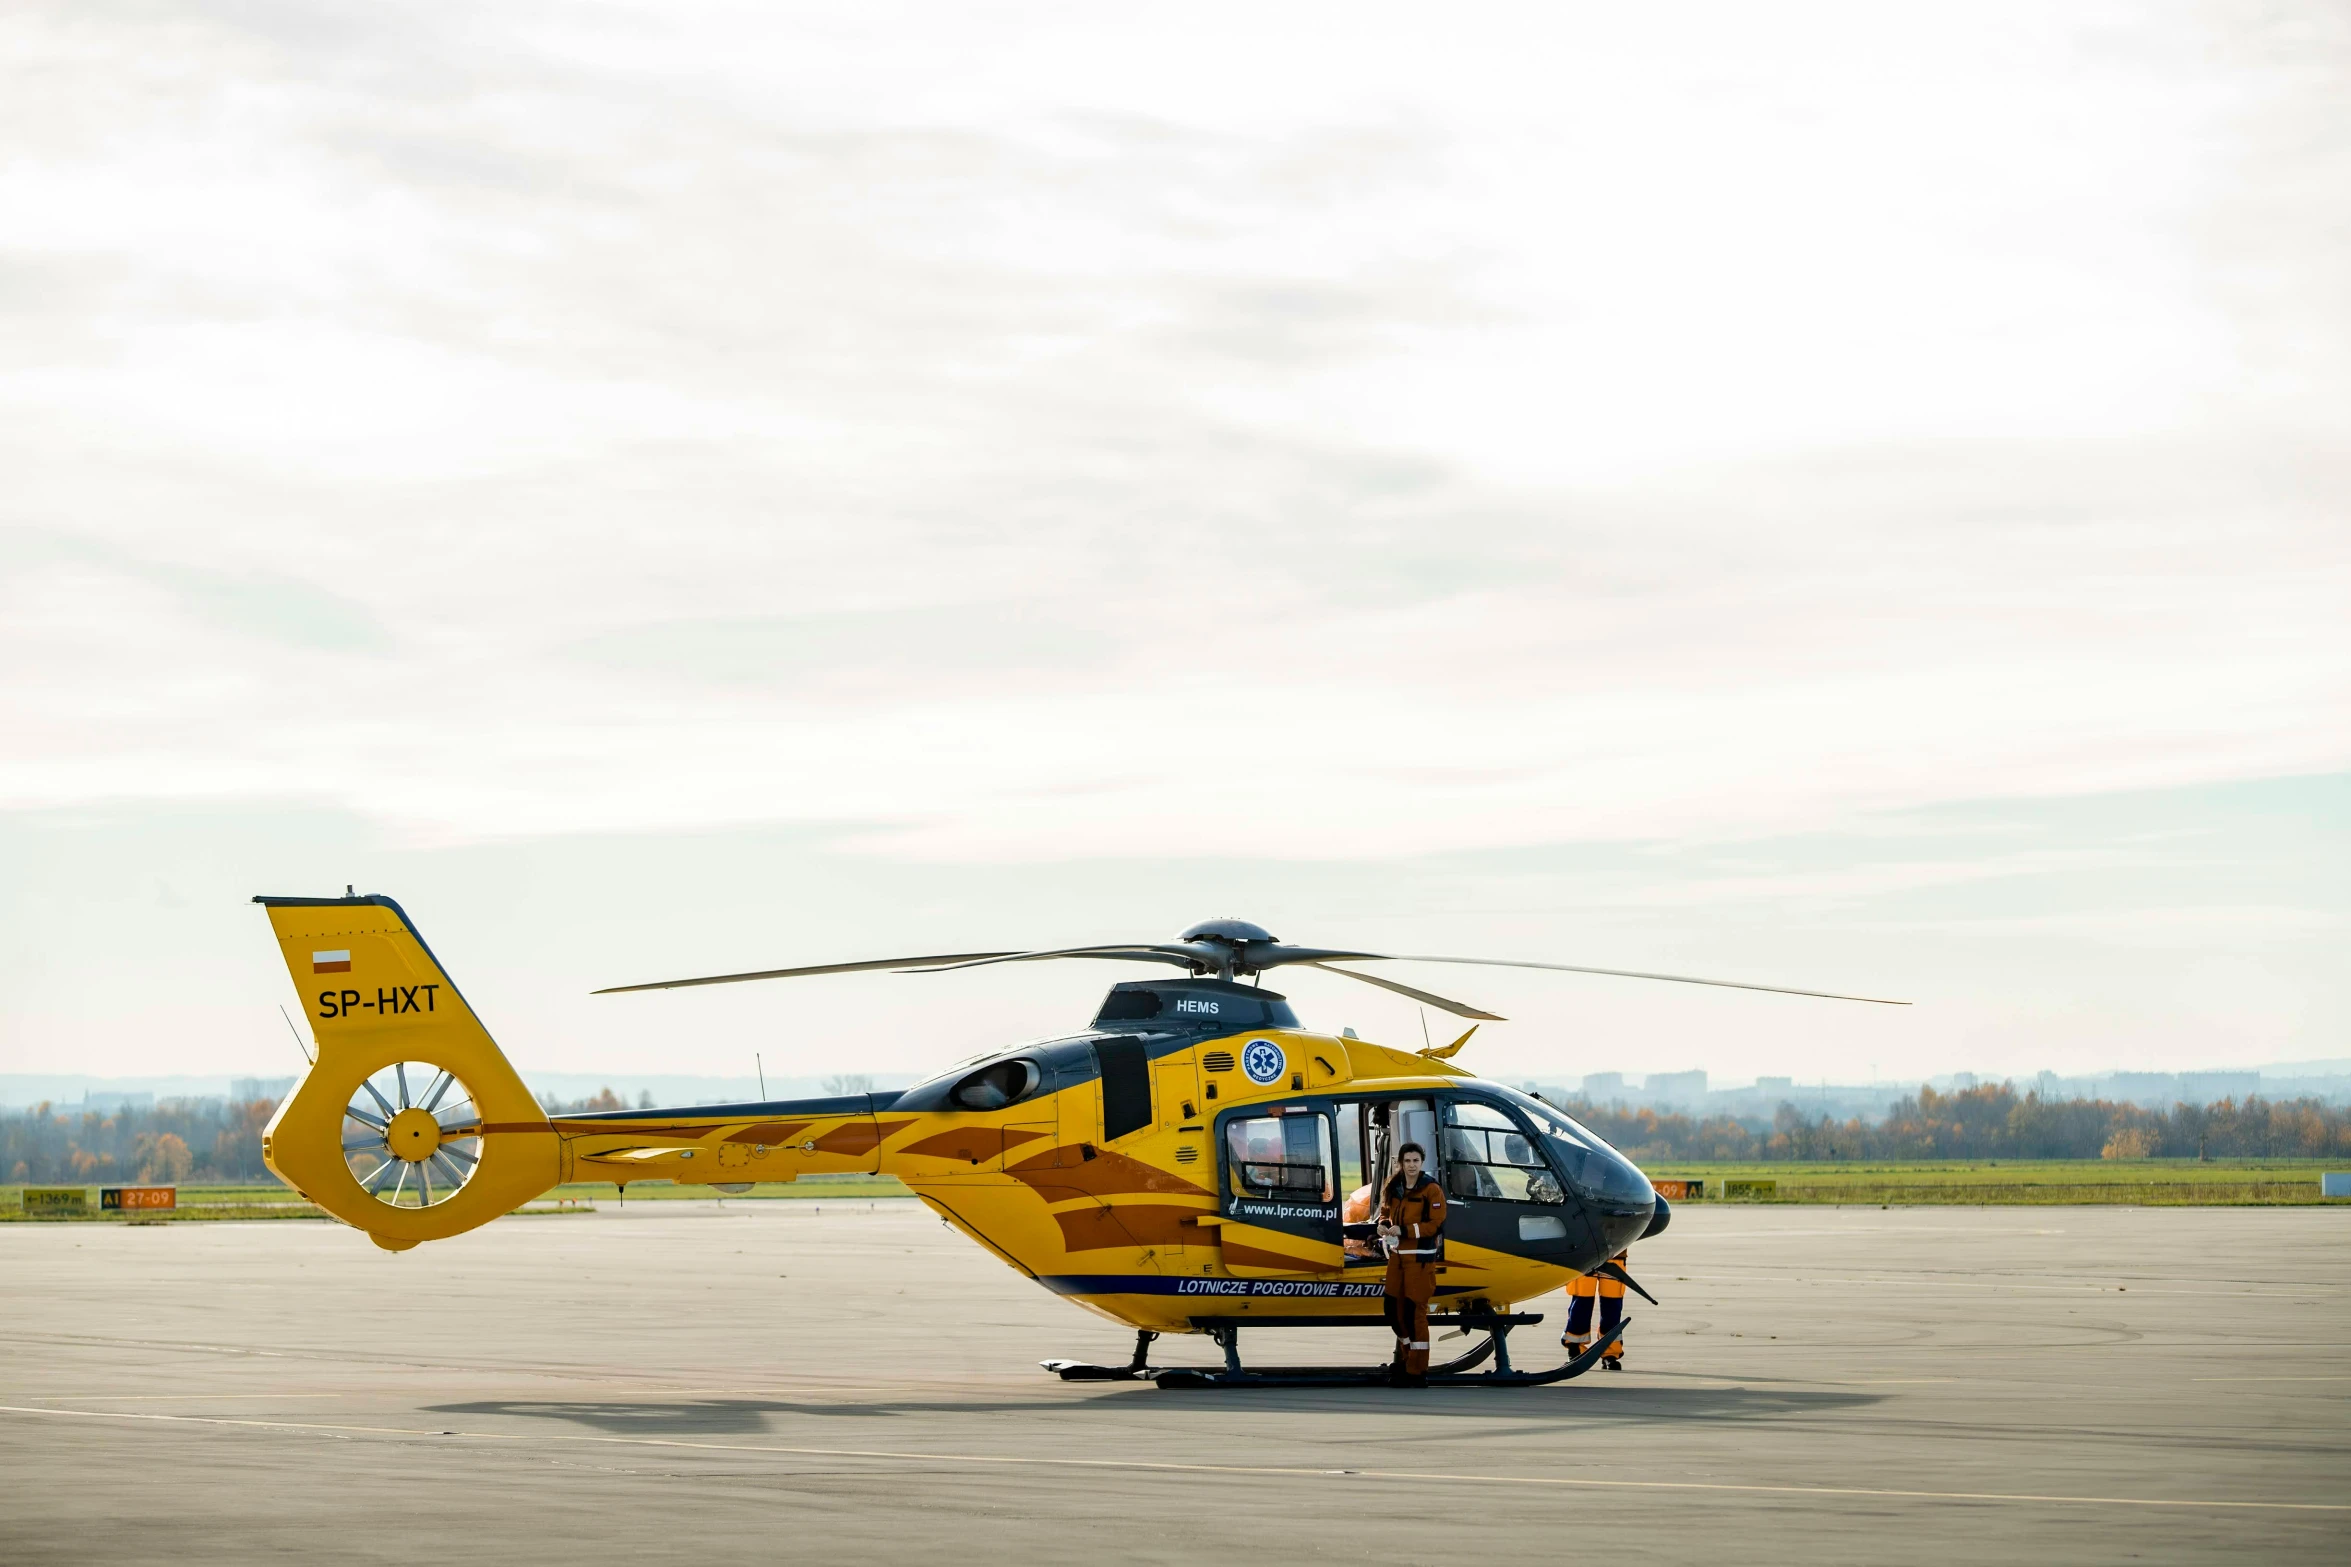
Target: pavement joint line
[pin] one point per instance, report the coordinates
(359, 1360)
(1160, 1467)
(2029, 1289)
(132, 1399)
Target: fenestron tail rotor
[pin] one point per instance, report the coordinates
(411, 1135)
(1235, 949)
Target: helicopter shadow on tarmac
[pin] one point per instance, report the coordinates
(751, 1416)
(721, 1416)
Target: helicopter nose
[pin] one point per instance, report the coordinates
(1622, 1227)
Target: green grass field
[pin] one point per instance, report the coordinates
(273, 1201)
(2004, 1183)
(1983, 1183)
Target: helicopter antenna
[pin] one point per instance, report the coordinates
(1425, 1042)
(761, 1067)
(297, 1033)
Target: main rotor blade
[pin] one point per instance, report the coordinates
(937, 960)
(1678, 979)
(1139, 952)
(1277, 956)
(1457, 1008)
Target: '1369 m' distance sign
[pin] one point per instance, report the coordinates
(1263, 1061)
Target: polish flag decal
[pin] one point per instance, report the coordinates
(330, 962)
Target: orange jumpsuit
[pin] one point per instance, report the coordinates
(1580, 1294)
(1419, 1217)
(1357, 1210)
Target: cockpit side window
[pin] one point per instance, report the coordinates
(996, 1085)
(1489, 1155)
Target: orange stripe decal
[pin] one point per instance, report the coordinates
(858, 1136)
(1107, 1174)
(1130, 1224)
(770, 1133)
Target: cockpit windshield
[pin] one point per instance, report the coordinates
(1590, 1164)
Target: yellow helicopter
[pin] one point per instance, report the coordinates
(1193, 1161)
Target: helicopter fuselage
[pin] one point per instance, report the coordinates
(1193, 1155)
(1192, 1158)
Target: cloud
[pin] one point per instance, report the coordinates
(1043, 434)
(938, 646)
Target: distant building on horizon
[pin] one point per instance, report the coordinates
(2151, 1090)
(1599, 1087)
(245, 1089)
(2206, 1088)
(108, 1103)
(1674, 1088)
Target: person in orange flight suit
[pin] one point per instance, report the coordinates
(1580, 1294)
(1412, 1227)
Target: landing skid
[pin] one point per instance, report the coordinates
(1135, 1370)
(1458, 1372)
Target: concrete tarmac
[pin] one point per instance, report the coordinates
(786, 1381)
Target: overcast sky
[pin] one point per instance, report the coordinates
(1833, 496)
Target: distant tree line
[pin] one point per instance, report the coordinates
(176, 1140)
(604, 1099)
(1989, 1122)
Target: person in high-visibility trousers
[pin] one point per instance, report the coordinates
(1580, 1294)
(1412, 1227)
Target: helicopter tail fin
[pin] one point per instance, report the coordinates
(410, 1124)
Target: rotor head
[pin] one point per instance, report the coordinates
(1223, 948)
(1227, 930)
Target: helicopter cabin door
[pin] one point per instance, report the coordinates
(1281, 1206)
